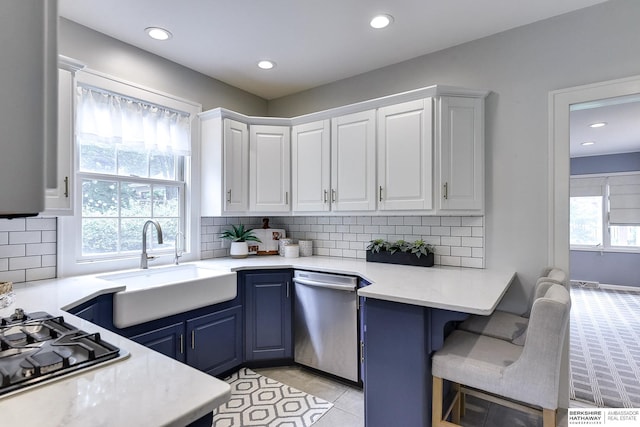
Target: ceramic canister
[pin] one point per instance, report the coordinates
(291, 251)
(306, 247)
(282, 243)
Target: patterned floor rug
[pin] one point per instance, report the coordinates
(605, 347)
(258, 401)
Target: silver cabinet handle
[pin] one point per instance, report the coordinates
(286, 197)
(446, 190)
(193, 339)
(325, 196)
(380, 193)
(288, 286)
(181, 344)
(229, 196)
(333, 195)
(66, 186)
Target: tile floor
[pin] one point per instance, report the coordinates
(348, 409)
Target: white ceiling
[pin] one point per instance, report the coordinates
(316, 42)
(313, 42)
(620, 135)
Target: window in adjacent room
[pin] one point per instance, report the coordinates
(605, 212)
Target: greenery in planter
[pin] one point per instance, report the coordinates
(240, 234)
(417, 253)
(418, 247)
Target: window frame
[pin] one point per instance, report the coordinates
(70, 260)
(606, 225)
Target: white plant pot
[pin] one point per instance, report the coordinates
(239, 250)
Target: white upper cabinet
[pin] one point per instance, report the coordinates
(461, 154)
(59, 200)
(405, 146)
(269, 168)
(311, 166)
(353, 162)
(224, 165)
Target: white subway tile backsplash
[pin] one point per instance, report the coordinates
(452, 221)
(4, 238)
(15, 276)
(40, 273)
(4, 264)
(9, 251)
(48, 237)
(16, 237)
(473, 221)
(41, 249)
(474, 242)
(18, 224)
(41, 224)
(458, 240)
(23, 263)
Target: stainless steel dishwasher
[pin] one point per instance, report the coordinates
(326, 323)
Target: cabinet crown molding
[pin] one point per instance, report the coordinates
(411, 95)
(70, 64)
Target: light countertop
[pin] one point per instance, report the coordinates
(148, 388)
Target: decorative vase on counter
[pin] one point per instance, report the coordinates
(239, 250)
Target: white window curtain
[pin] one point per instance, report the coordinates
(587, 187)
(110, 118)
(624, 200)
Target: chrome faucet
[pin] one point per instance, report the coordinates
(144, 258)
(176, 258)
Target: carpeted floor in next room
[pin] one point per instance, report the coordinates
(605, 347)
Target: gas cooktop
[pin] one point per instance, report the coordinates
(37, 347)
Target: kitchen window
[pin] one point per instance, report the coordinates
(605, 212)
(133, 162)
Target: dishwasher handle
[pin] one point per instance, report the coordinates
(328, 285)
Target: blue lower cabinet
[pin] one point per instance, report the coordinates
(215, 341)
(268, 314)
(168, 340)
(98, 310)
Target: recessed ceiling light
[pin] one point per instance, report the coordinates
(597, 125)
(586, 144)
(265, 64)
(381, 21)
(158, 33)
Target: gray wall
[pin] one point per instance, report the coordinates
(105, 54)
(520, 67)
(612, 268)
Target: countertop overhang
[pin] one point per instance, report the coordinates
(148, 388)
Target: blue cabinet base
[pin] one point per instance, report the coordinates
(399, 341)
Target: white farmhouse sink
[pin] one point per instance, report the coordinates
(163, 291)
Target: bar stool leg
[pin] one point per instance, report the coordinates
(436, 406)
(457, 405)
(549, 418)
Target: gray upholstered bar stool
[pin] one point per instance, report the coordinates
(509, 326)
(522, 377)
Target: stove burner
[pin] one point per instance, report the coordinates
(36, 347)
(16, 339)
(48, 361)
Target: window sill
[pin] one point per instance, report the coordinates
(608, 250)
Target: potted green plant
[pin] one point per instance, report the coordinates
(239, 237)
(417, 253)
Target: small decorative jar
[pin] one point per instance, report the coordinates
(291, 251)
(306, 247)
(6, 294)
(282, 243)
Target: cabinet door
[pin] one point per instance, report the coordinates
(310, 166)
(224, 168)
(58, 200)
(353, 162)
(461, 154)
(269, 170)
(405, 177)
(268, 316)
(168, 340)
(236, 166)
(215, 341)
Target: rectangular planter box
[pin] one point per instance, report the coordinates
(403, 258)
